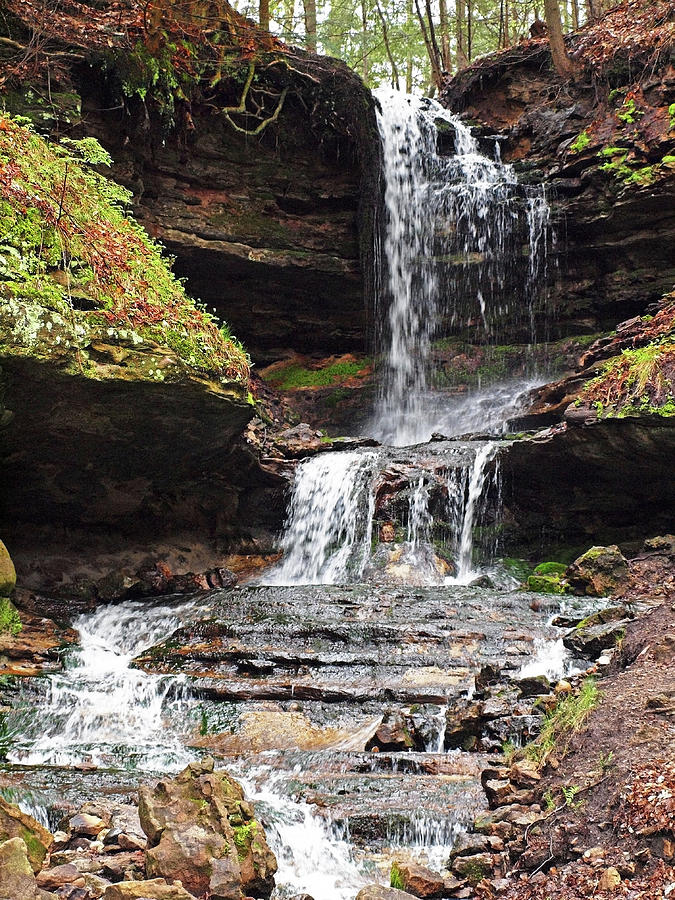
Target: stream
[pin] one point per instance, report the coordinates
(384, 605)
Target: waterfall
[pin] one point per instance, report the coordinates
(328, 530)
(100, 711)
(453, 225)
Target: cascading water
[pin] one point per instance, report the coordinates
(453, 226)
(329, 523)
(101, 712)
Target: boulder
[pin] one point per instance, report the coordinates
(590, 641)
(7, 572)
(380, 892)
(155, 889)
(473, 868)
(16, 824)
(533, 685)
(201, 830)
(598, 572)
(51, 879)
(17, 880)
(417, 879)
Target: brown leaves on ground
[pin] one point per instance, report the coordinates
(192, 32)
(648, 804)
(636, 30)
(582, 880)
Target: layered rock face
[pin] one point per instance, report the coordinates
(269, 229)
(604, 143)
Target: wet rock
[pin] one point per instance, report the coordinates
(125, 866)
(51, 879)
(95, 885)
(469, 844)
(7, 572)
(392, 734)
(86, 825)
(473, 868)
(590, 641)
(598, 572)
(418, 880)
(302, 440)
(533, 686)
(17, 879)
(380, 892)
(16, 824)
(201, 831)
(524, 773)
(154, 889)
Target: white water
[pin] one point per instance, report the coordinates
(450, 236)
(329, 531)
(475, 488)
(99, 711)
(330, 519)
(314, 855)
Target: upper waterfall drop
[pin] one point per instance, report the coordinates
(452, 230)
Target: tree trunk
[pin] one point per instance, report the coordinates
(445, 35)
(264, 15)
(385, 36)
(469, 29)
(365, 68)
(431, 49)
(460, 16)
(561, 60)
(594, 9)
(409, 53)
(310, 24)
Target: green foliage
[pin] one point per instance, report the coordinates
(509, 751)
(580, 142)
(671, 113)
(606, 761)
(629, 111)
(396, 878)
(637, 382)
(64, 233)
(562, 723)
(569, 793)
(10, 623)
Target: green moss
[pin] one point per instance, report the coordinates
(10, 623)
(66, 240)
(546, 584)
(244, 836)
(637, 382)
(294, 377)
(629, 111)
(580, 142)
(550, 568)
(671, 113)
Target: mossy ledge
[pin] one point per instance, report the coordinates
(78, 275)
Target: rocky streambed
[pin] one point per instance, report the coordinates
(357, 718)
